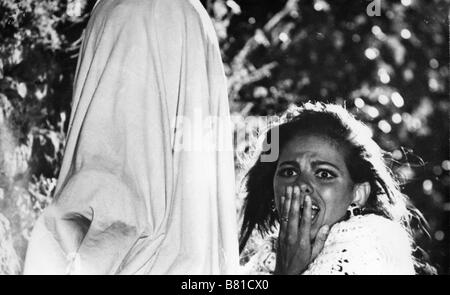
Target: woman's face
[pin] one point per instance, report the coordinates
(316, 165)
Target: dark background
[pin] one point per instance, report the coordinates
(391, 70)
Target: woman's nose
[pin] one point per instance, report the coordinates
(303, 181)
(306, 188)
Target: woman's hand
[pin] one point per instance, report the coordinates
(295, 251)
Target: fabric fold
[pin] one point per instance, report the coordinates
(147, 180)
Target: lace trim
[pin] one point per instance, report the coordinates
(365, 244)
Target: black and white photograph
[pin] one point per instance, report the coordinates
(224, 137)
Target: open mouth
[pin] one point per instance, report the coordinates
(314, 212)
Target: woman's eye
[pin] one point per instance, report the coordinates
(324, 174)
(287, 172)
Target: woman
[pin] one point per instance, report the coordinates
(133, 197)
(339, 206)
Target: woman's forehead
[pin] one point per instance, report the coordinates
(313, 148)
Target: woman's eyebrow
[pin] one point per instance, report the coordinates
(319, 162)
(293, 163)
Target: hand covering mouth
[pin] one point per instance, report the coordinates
(315, 209)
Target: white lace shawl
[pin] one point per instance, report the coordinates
(365, 245)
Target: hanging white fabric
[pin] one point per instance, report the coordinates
(147, 180)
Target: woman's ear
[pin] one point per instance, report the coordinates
(361, 193)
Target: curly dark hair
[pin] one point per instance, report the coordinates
(365, 160)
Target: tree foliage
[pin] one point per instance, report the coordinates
(390, 70)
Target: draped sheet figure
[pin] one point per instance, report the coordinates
(147, 180)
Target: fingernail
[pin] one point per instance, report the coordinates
(297, 191)
(289, 190)
(307, 198)
(325, 229)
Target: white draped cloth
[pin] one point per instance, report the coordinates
(147, 180)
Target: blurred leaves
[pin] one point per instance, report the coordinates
(9, 262)
(39, 41)
(390, 70)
